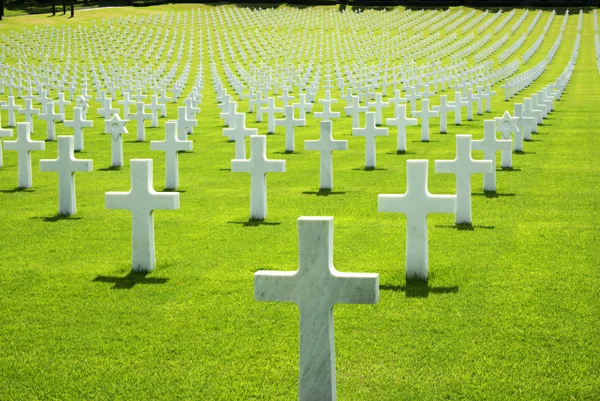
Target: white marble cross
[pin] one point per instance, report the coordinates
(116, 128)
(378, 105)
(78, 123)
(525, 124)
(238, 133)
(4, 133)
(354, 109)
(530, 111)
(507, 125)
(24, 145)
(401, 121)
(316, 287)
(303, 106)
(142, 200)
(66, 166)
(417, 203)
(139, 117)
(11, 107)
(271, 109)
(370, 131)
(458, 104)
(50, 117)
(327, 114)
(490, 145)
(463, 166)
(472, 98)
(326, 145)
(442, 110)
(107, 110)
(425, 114)
(183, 122)
(258, 166)
(126, 103)
(28, 111)
(289, 122)
(171, 146)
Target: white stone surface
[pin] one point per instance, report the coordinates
(370, 132)
(24, 145)
(417, 203)
(326, 145)
(78, 123)
(490, 145)
(289, 122)
(463, 166)
(316, 287)
(258, 166)
(142, 200)
(66, 165)
(425, 114)
(401, 121)
(238, 132)
(172, 145)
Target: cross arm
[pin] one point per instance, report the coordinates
(275, 286)
(356, 288)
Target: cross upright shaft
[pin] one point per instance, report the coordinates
(141, 201)
(316, 287)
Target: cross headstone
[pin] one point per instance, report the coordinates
(258, 166)
(142, 200)
(11, 107)
(66, 166)
(378, 105)
(443, 110)
(525, 124)
(183, 122)
(78, 123)
(28, 111)
(303, 106)
(425, 114)
(458, 104)
(238, 132)
(463, 166)
(326, 145)
(24, 145)
(417, 203)
(316, 287)
(50, 117)
(271, 110)
(370, 131)
(139, 117)
(116, 128)
(354, 109)
(171, 146)
(401, 121)
(327, 114)
(490, 145)
(289, 122)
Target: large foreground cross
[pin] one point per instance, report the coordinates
(417, 203)
(316, 287)
(142, 200)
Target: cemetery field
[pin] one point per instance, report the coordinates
(511, 309)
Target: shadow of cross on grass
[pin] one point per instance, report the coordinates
(418, 289)
(130, 280)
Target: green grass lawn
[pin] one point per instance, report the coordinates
(511, 310)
